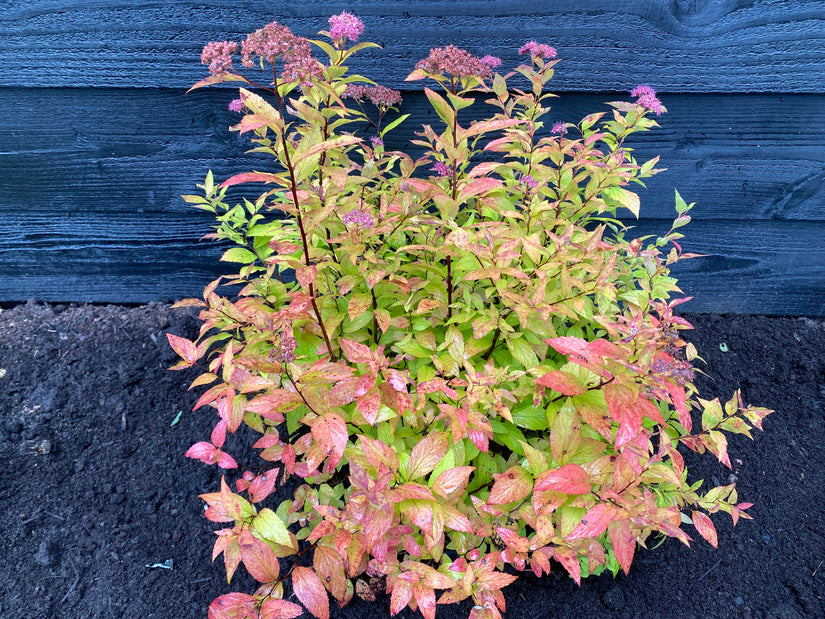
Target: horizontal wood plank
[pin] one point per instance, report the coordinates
(765, 267)
(677, 46)
(119, 151)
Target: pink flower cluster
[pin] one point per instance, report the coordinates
(559, 128)
(286, 350)
(452, 61)
(358, 218)
(274, 40)
(345, 26)
(528, 181)
(538, 50)
(442, 169)
(646, 97)
(236, 105)
(218, 55)
(667, 366)
(380, 96)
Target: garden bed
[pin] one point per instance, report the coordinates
(95, 489)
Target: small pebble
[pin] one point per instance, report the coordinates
(613, 599)
(766, 538)
(738, 600)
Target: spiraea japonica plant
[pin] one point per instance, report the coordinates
(467, 366)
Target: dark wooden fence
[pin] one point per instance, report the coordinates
(98, 141)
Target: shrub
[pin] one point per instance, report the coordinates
(468, 366)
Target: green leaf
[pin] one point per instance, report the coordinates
(536, 459)
(531, 418)
(565, 433)
(441, 107)
(392, 125)
(238, 254)
(522, 352)
(506, 433)
(625, 198)
(271, 527)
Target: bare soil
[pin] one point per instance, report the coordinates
(95, 493)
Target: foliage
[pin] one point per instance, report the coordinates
(470, 368)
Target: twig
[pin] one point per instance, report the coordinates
(817, 568)
(74, 584)
(33, 517)
(709, 571)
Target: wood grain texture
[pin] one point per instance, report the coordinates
(676, 45)
(772, 268)
(135, 151)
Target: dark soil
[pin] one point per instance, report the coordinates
(95, 489)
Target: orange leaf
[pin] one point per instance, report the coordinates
(280, 609)
(565, 384)
(310, 591)
(569, 479)
(232, 605)
(329, 565)
(258, 558)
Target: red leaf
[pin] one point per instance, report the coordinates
(186, 349)
(219, 434)
(426, 455)
(263, 485)
(280, 609)
(425, 598)
(402, 592)
(595, 521)
(621, 402)
(225, 461)
(412, 492)
(368, 405)
(203, 451)
(705, 527)
(330, 431)
(569, 479)
(310, 591)
(355, 352)
(563, 383)
(250, 177)
(306, 275)
(232, 606)
(451, 479)
(623, 542)
(512, 485)
(677, 396)
(569, 560)
(274, 402)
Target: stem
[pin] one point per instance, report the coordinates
(449, 287)
(375, 337)
(296, 202)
